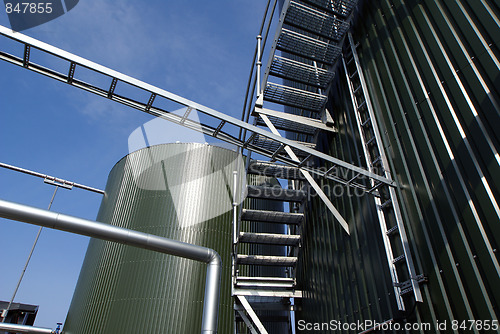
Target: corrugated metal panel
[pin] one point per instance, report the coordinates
(433, 72)
(127, 290)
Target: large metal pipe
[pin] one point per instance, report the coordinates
(15, 328)
(94, 229)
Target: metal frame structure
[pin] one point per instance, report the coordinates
(309, 36)
(215, 117)
(54, 181)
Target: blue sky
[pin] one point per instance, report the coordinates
(200, 50)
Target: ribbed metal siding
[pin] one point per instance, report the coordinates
(344, 278)
(433, 72)
(128, 290)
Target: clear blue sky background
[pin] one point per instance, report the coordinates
(200, 50)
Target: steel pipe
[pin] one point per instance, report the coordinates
(59, 221)
(46, 177)
(15, 328)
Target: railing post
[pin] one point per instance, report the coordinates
(235, 206)
(259, 63)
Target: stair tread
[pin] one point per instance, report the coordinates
(340, 7)
(267, 260)
(265, 278)
(271, 145)
(270, 238)
(298, 43)
(300, 72)
(315, 20)
(272, 216)
(294, 97)
(265, 293)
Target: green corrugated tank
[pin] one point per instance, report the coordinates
(179, 191)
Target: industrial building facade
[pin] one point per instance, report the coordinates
(409, 152)
(433, 74)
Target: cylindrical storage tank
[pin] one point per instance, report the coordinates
(179, 191)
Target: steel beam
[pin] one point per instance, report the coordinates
(149, 107)
(311, 181)
(255, 319)
(314, 123)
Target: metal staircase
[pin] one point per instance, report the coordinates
(404, 278)
(308, 39)
(263, 275)
(289, 111)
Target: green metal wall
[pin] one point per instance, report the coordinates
(123, 289)
(433, 73)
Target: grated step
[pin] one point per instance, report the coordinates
(294, 97)
(266, 260)
(315, 21)
(269, 238)
(340, 7)
(272, 216)
(294, 42)
(262, 295)
(271, 145)
(298, 71)
(398, 259)
(265, 282)
(283, 124)
(276, 193)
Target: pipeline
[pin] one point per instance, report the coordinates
(59, 221)
(15, 328)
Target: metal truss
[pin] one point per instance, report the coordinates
(215, 126)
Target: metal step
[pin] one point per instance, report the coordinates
(272, 216)
(265, 282)
(294, 97)
(257, 167)
(267, 293)
(271, 145)
(315, 21)
(298, 71)
(283, 124)
(276, 193)
(339, 7)
(299, 44)
(267, 260)
(269, 238)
